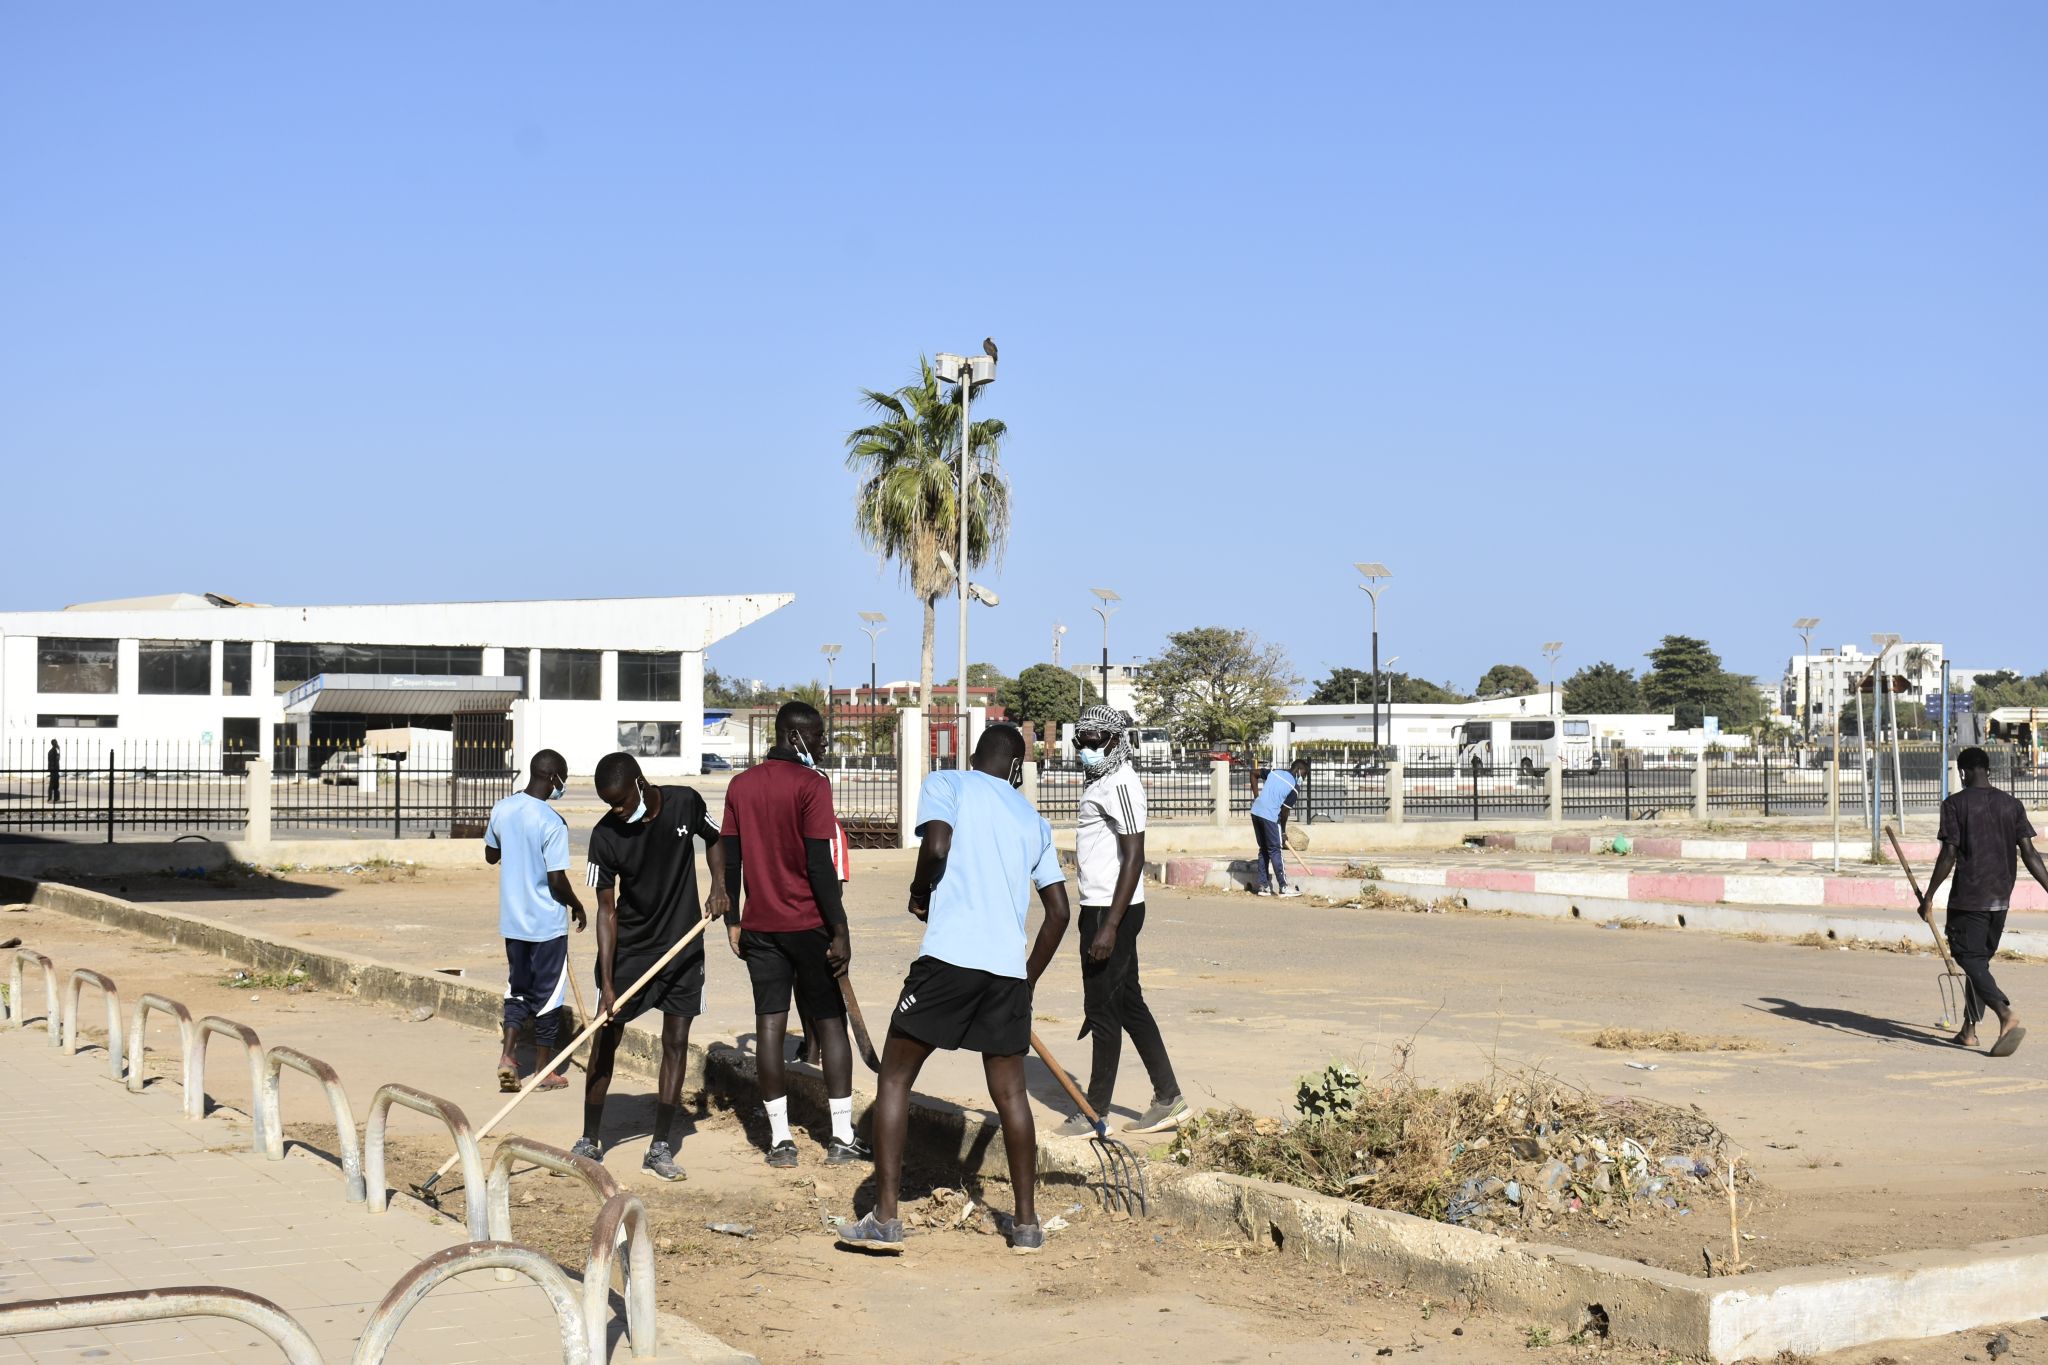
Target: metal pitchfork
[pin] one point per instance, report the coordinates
(1120, 1172)
(1955, 987)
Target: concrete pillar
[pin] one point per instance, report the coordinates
(1283, 743)
(912, 744)
(1553, 790)
(1030, 787)
(1397, 792)
(1834, 795)
(1699, 786)
(1219, 791)
(977, 721)
(256, 792)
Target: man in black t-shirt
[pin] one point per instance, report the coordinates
(1984, 833)
(643, 864)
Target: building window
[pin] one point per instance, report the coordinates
(650, 677)
(49, 722)
(237, 667)
(569, 675)
(174, 668)
(518, 662)
(651, 738)
(297, 662)
(64, 665)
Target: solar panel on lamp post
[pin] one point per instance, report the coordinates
(1374, 572)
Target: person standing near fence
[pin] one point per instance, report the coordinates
(643, 865)
(527, 840)
(1984, 834)
(1109, 855)
(56, 764)
(1275, 802)
(788, 922)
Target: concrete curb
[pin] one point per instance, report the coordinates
(2028, 937)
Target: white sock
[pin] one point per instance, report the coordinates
(842, 1119)
(778, 1120)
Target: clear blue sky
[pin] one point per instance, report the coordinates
(1594, 321)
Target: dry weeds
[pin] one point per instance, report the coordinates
(1673, 1040)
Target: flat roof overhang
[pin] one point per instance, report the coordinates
(400, 694)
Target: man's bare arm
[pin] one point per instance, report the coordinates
(2032, 858)
(1943, 865)
(565, 896)
(1051, 929)
(934, 847)
(607, 940)
(1130, 852)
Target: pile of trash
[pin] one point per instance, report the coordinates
(1517, 1152)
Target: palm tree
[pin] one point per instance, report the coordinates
(905, 509)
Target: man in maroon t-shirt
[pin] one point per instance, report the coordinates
(788, 922)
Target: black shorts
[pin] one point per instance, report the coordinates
(679, 990)
(793, 962)
(963, 1007)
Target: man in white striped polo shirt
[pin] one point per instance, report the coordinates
(1109, 854)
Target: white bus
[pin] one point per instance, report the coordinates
(1530, 746)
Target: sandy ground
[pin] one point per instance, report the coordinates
(1107, 1287)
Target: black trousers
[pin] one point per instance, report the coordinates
(1113, 1004)
(1973, 937)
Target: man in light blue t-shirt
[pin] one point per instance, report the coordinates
(528, 841)
(983, 848)
(1269, 824)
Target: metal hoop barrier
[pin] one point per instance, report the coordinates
(154, 1305)
(209, 1026)
(17, 1008)
(383, 1324)
(346, 1146)
(498, 1188)
(188, 1049)
(622, 1220)
(111, 995)
(474, 1214)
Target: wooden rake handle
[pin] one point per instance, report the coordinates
(860, 1025)
(1067, 1083)
(1940, 945)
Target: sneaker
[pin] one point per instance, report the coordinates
(1026, 1238)
(661, 1162)
(839, 1153)
(1077, 1126)
(872, 1234)
(1289, 892)
(584, 1147)
(783, 1154)
(1263, 891)
(1163, 1116)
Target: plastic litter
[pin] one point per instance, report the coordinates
(731, 1229)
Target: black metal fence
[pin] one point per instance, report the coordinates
(866, 797)
(441, 792)
(1173, 791)
(89, 788)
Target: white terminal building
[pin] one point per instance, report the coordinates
(294, 684)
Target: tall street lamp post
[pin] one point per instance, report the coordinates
(831, 653)
(1805, 626)
(966, 372)
(873, 624)
(1551, 649)
(1375, 573)
(1105, 609)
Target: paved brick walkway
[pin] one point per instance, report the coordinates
(101, 1190)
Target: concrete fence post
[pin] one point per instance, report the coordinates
(1553, 792)
(256, 793)
(1219, 791)
(1031, 782)
(913, 743)
(1397, 792)
(1699, 786)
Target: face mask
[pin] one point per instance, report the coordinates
(803, 752)
(1017, 773)
(1091, 759)
(639, 811)
(556, 794)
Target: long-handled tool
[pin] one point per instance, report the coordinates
(1955, 986)
(425, 1190)
(1120, 1171)
(860, 1025)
